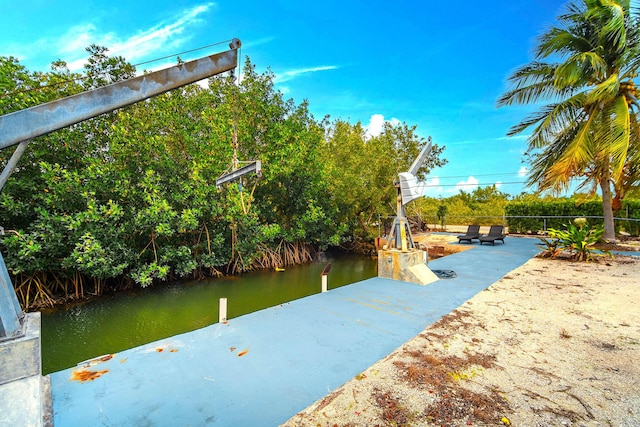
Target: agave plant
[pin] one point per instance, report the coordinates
(577, 238)
(549, 247)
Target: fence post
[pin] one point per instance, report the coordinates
(544, 226)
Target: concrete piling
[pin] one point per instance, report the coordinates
(222, 311)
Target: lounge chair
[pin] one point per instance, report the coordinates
(473, 232)
(495, 233)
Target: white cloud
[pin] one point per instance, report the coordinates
(468, 185)
(164, 36)
(77, 39)
(523, 171)
(514, 137)
(433, 187)
(285, 76)
(160, 36)
(257, 42)
(498, 184)
(376, 124)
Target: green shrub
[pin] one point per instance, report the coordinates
(551, 211)
(577, 238)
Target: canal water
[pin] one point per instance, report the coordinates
(129, 319)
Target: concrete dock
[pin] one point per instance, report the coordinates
(262, 368)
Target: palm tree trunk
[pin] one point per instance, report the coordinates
(607, 207)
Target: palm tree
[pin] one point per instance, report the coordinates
(589, 128)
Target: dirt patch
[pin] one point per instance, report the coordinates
(623, 244)
(440, 244)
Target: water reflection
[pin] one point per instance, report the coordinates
(126, 320)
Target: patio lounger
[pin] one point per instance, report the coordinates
(495, 233)
(473, 232)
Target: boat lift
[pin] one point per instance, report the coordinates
(409, 189)
(237, 171)
(20, 332)
(399, 259)
(19, 127)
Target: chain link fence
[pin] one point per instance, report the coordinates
(536, 225)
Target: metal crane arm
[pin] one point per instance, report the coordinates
(45, 118)
(422, 157)
(19, 127)
(409, 189)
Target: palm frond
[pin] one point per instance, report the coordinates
(531, 83)
(560, 41)
(531, 120)
(631, 175)
(580, 69)
(569, 155)
(578, 153)
(614, 135)
(605, 91)
(528, 95)
(557, 119)
(574, 10)
(548, 156)
(612, 16)
(532, 73)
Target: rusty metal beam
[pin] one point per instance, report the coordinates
(45, 118)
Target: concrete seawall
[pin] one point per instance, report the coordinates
(262, 368)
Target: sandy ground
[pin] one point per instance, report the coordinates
(553, 343)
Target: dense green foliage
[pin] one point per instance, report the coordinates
(362, 171)
(483, 206)
(554, 213)
(130, 198)
(523, 214)
(583, 82)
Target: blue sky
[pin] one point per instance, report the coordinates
(437, 65)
